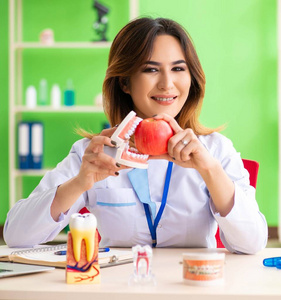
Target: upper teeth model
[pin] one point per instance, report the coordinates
(83, 226)
(123, 154)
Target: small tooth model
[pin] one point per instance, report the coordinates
(142, 266)
(124, 154)
(82, 250)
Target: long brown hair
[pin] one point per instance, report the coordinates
(130, 50)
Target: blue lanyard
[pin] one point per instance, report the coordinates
(153, 227)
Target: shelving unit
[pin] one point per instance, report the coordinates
(279, 108)
(16, 106)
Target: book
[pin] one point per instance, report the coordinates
(45, 256)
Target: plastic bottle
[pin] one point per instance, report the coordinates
(105, 125)
(31, 97)
(69, 95)
(55, 96)
(98, 100)
(43, 92)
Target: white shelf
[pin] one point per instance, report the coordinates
(29, 172)
(62, 109)
(64, 45)
(279, 109)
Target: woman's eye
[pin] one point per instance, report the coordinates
(178, 69)
(150, 70)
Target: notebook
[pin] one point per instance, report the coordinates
(45, 256)
(12, 269)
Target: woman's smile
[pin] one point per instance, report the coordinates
(164, 99)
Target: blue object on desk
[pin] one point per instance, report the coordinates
(272, 262)
(64, 252)
(104, 249)
(60, 253)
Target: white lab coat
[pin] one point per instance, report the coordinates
(189, 219)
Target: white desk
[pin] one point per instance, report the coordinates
(245, 278)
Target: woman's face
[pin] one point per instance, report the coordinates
(162, 84)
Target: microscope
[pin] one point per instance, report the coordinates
(100, 26)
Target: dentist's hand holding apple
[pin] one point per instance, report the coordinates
(163, 138)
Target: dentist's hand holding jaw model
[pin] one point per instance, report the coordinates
(153, 70)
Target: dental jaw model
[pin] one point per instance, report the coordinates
(142, 267)
(82, 250)
(124, 154)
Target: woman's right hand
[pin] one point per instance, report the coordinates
(96, 165)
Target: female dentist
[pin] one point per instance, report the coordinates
(154, 70)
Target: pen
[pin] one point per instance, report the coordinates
(104, 249)
(64, 252)
(60, 253)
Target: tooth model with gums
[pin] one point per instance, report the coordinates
(82, 250)
(124, 154)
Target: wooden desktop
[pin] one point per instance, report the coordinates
(245, 278)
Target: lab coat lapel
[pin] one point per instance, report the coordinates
(139, 181)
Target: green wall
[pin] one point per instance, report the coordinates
(236, 42)
(237, 45)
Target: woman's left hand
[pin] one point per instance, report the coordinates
(185, 149)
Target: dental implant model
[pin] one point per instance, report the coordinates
(82, 250)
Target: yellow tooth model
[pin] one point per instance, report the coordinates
(82, 250)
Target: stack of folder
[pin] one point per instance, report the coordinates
(30, 145)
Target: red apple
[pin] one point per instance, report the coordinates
(152, 136)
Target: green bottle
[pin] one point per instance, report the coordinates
(69, 95)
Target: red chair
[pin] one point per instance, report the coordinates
(83, 210)
(252, 167)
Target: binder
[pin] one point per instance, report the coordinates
(30, 145)
(24, 145)
(36, 145)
